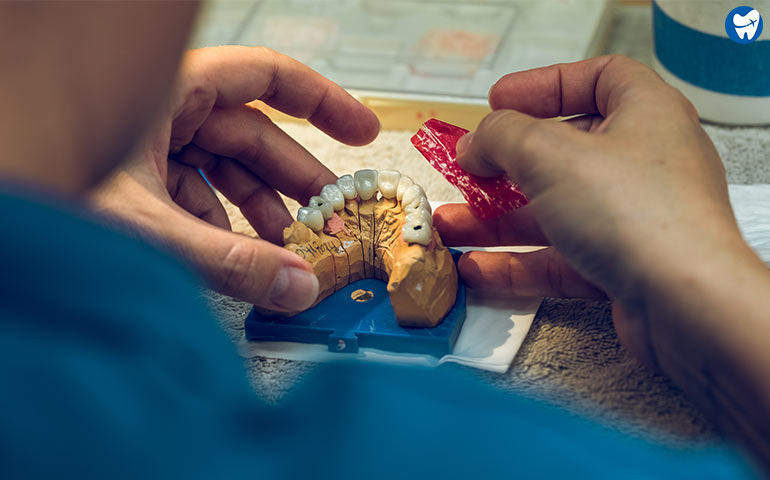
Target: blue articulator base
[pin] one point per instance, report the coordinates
(346, 325)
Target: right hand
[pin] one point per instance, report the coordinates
(632, 196)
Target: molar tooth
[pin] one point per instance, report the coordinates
(387, 180)
(312, 217)
(420, 203)
(419, 215)
(366, 183)
(333, 194)
(417, 232)
(403, 183)
(326, 208)
(414, 197)
(348, 187)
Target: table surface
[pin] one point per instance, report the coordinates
(571, 355)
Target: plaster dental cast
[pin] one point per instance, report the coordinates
(347, 233)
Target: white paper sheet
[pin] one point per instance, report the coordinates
(493, 331)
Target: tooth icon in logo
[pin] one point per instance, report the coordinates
(746, 25)
(743, 24)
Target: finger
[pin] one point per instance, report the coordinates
(251, 269)
(459, 226)
(593, 86)
(542, 273)
(633, 333)
(534, 152)
(235, 75)
(246, 268)
(261, 205)
(190, 191)
(586, 123)
(247, 135)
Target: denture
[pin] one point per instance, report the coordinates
(377, 225)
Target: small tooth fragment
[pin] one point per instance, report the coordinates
(321, 204)
(418, 232)
(312, 217)
(348, 187)
(419, 215)
(387, 180)
(366, 183)
(415, 198)
(333, 194)
(403, 183)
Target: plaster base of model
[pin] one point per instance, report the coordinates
(364, 240)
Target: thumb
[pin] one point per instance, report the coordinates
(531, 151)
(250, 269)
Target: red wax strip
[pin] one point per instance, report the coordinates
(488, 197)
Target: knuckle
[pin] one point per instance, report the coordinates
(201, 98)
(688, 108)
(533, 136)
(554, 271)
(497, 122)
(237, 267)
(274, 58)
(265, 51)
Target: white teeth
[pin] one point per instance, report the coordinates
(415, 198)
(348, 187)
(403, 183)
(366, 183)
(418, 225)
(387, 181)
(326, 208)
(413, 193)
(333, 195)
(420, 204)
(312, 217)
(418, 232)
(419, 215)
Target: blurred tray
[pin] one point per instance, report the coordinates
(412, 60)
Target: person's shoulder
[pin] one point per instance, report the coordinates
(67, 235)
(57, 255)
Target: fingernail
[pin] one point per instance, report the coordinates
(294, 289)
(464, 143)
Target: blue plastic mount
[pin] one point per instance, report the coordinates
(346, 325)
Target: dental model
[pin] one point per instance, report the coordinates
(347, 233)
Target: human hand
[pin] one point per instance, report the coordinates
(210, 126)
(631, 196)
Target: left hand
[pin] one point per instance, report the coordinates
(210, 126)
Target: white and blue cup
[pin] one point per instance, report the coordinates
(717, 53)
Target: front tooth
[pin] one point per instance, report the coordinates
(366, 183)
(348, 187)
(326, 208)
(419, 215)
(312, 217)
(403, 183)
(415, 198)
(387, 180)
(417, 232)
(333, 194)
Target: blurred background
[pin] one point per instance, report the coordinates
(412, 60)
